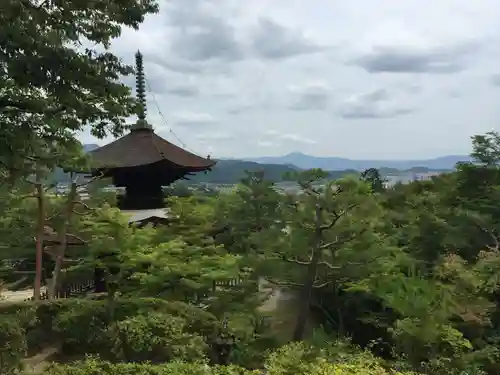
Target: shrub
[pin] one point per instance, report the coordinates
(337, 358)
(13, 346)
(156, 337)
(93, 367)
(322, 367)
(82, 325)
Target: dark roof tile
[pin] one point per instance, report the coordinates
(143, 147)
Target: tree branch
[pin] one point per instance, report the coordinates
(342, 241)
(84, 205)
(329, 265)
(316, 286)
(307, 187)
(296, 261)
(101, 174)
(494, 237)
(285, 283)
(337, 217)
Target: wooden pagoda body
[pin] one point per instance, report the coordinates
(143, 163)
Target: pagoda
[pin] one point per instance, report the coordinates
(143, 163)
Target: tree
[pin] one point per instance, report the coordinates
(374, 178)
(51, 85)
(332, 236)
(486, 148)
(196, 262)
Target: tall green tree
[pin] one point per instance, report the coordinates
(58, 76)
(331, 239)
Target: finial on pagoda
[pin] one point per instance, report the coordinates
(140, 88)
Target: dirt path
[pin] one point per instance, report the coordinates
(37, 363)
(18, 295)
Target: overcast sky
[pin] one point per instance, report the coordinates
(371, 79)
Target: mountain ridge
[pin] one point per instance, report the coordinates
(333, 163)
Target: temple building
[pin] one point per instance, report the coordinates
(143, 163)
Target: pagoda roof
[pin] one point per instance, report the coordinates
(142, 147)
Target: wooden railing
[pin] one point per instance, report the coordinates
(74, 289)
(84, 286)
(228, 283)
(200, 295)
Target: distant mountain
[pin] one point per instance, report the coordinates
(337, 164)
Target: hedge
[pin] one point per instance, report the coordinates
(83, 326)
(94, 367)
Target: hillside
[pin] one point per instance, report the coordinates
(232, 171)
(304, 161)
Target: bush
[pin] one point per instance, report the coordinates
(93, 367)
(156, 337)
(13, 346)
(82, 325)
(318, 367)
(322, 367)
(337, 358)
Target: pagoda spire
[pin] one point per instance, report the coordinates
(140, 89)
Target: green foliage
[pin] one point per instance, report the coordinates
(53, 88)
(375, 179)
(296, 359)
(336, 358)
(13, 345)
(92, 366)
(143, 329)
(409, 273)
(156, 337)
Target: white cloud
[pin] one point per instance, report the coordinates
(308, 69)
(310, 97)
(373, 104)
(297, 138)
(267, 144)
(193, 119)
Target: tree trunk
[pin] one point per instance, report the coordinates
(39, 239)
(307, 289)
(62, 235)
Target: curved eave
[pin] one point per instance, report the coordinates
(109, 169)
(143, 148)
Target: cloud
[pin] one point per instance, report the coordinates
(226, 67)
(495, 80)
(275, 136)
(215, 136)
(371, 105)
(395, 48)
(184, 90)
(297, 139)
(267, 144)
(311, 97)
(192, 119)
(401, 60)
(274, 41)
(200, 33)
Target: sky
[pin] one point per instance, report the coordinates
(379, 79)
